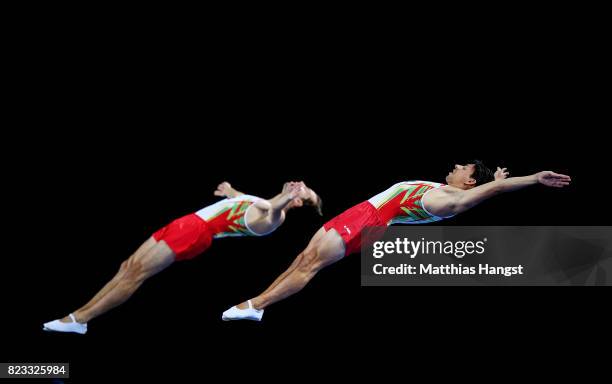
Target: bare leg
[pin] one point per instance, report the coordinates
(328, 250)
(138, 268)
(313, 243)
(145, 247)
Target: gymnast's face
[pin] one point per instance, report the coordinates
(461, 176)
(306, 196)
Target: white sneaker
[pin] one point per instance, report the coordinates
(235, 313)
(59, 326)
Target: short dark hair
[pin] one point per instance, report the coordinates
(481, 173)
(317, 204)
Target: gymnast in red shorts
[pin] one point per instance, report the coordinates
(188, 237)
(409, 202)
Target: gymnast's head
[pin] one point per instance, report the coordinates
(305, 197)
(469, 175)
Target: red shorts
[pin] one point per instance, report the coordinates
(187, 237)
(351, 223)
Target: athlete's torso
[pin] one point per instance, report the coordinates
(403, 203)
(236, 217)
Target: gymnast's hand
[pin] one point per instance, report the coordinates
(501, 173)
(552, 179)
(293, 189)
(224, 189)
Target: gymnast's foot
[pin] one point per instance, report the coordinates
(244, 311)
(68, 324)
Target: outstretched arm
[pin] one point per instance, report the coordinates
(470, 198)
(225, 190)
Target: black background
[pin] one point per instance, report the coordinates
(119, 135)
